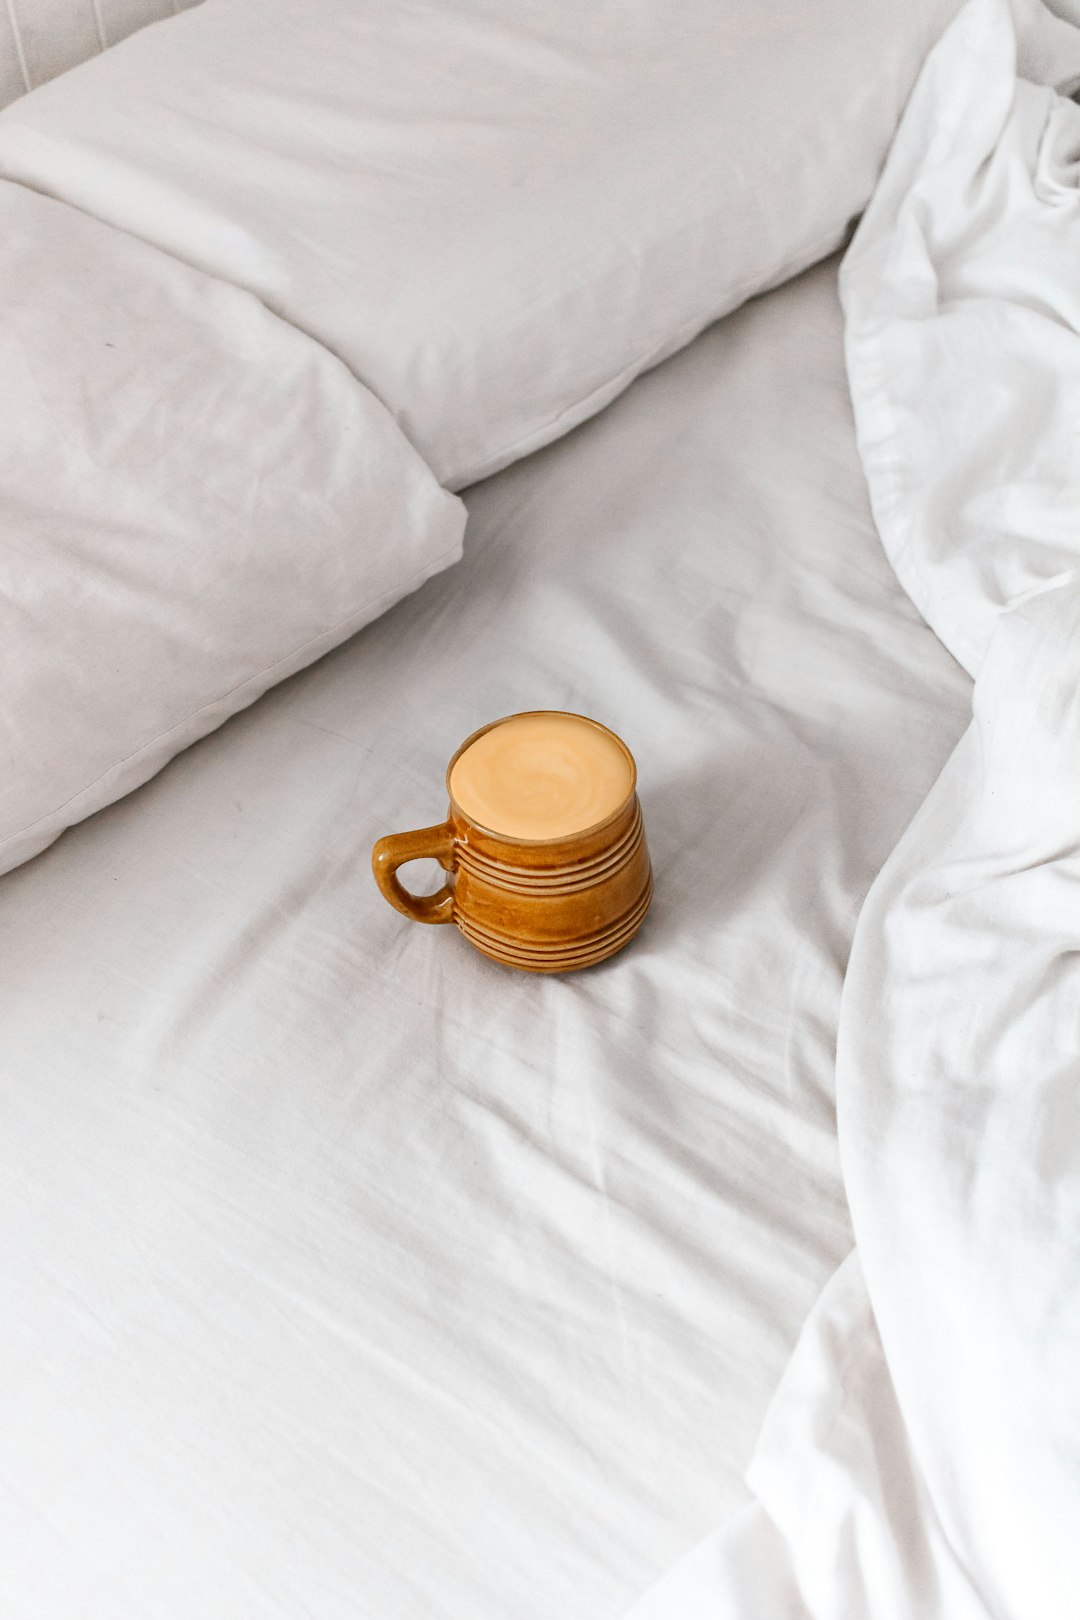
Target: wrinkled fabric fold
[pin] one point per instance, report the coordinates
(921, 1460)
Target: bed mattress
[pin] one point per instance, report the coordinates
(347, 1273)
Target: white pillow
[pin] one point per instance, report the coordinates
(195, 501)
(496, 212)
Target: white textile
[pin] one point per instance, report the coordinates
(41, 38)
(922, 1459)
(496, 214)
(347, 1274)
(196, 500)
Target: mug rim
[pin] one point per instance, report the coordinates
(563, 838)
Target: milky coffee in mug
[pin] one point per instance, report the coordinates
(544, 845)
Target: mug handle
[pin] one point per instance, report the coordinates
(397, 848)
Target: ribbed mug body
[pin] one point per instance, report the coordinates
(551, 906)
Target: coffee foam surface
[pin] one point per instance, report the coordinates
(541, 776)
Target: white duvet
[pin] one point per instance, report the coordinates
(922, 1458)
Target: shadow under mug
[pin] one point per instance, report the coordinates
(546, 905)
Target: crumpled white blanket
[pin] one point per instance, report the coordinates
(921, 1460)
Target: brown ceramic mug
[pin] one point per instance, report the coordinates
(544, 904)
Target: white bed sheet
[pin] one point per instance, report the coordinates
(348, 1274)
